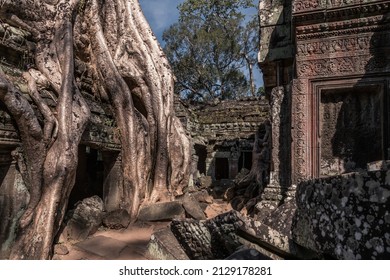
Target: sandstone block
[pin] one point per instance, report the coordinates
(161, 211)
(117, 219)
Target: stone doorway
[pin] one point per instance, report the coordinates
(89, 177)
(221, 168)
(98, 173)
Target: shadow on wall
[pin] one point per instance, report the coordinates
(362, 131)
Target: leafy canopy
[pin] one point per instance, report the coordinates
(212, 48)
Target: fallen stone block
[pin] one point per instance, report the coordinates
(84, 220)
(164, 211)
(163, 245)
(203, 196)
(192, 207)
(117, 219)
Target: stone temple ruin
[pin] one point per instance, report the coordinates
(326, 67)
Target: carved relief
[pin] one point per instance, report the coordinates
(300, 117)
(343, 65)
(359, 44)
(305, 5)
(352, 27)
(277, 96)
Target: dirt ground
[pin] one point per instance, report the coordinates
(125, 244)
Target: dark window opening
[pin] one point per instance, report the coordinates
(245, 161)
(221, 168)
(201, 152)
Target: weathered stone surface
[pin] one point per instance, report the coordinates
(205, 181)
(203, 196)
(247, 254)
(281, 218)
(220, 187)
(378, 165)
(117, 219)
(345, 217)
(194, 237)
(275, 22)
(84, 220)
(60, 249)
(241, 175)
(211, 239)
(220, 237)
(163, 245)
(161, 211)
(222, 133)
(192, 207)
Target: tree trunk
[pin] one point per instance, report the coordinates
(251, 78)
(127, 64)
(260, 158)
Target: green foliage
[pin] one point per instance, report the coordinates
(261, 91)
(209, 48)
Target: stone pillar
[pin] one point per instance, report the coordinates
(113, 181)
(277, 96)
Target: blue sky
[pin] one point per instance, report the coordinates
(160, 14)
(163, 13)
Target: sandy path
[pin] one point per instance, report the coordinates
(106, 244)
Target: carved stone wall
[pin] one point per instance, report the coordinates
(226, 132)
(341, 46)
(318, 49)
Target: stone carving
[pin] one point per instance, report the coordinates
(309, 5)
(277, 96)
(299, 128)
(303, 5)
(359, 44)
(343, 65)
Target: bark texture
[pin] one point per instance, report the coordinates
(129, 70)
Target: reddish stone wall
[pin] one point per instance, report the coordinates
(341, 46)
